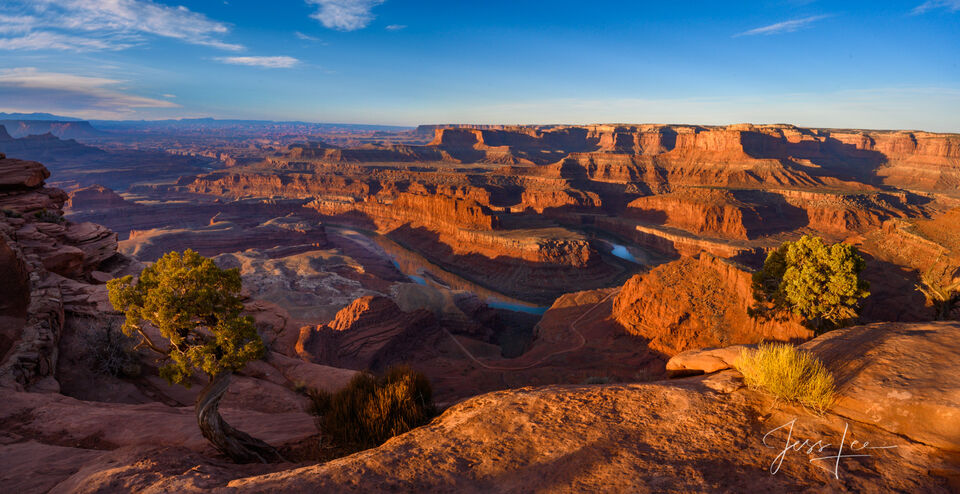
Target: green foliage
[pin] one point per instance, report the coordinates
(788, 374)
(818, 282)
(370, 410)
(195, 306)
(47, 216)
(9, 213)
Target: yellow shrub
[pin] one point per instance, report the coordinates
(788, 374)
(370, 409)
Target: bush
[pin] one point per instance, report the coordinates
(9, 213)
(788, 374)
(370, 409)
(110, 352)
(47, 216)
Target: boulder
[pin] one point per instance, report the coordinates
(901, 377)
(21, 175)
(704, 361)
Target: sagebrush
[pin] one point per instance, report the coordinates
(788, 374)
(371, 409)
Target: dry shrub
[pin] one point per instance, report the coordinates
(788, 374)
(370, 409)
(110, 352)
(47, 216)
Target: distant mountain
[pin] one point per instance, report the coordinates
(37, 116)
(74, 164)
(43, 147)
(73, 129)
(212, 123)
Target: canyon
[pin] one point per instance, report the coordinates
(560, 285)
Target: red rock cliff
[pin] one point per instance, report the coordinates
(696, 303)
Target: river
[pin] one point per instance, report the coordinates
(421, 271)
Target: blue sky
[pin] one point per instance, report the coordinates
(891, 64)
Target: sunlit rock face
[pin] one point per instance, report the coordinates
(697, 303)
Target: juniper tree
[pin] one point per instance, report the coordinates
(818, 282)
(196, 308)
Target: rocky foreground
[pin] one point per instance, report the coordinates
(695, 434)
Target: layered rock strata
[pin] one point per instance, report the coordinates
(46, 260)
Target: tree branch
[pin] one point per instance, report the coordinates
(147, 342)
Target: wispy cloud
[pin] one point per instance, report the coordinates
(27, 87)
(45, 40)
(344, 15)
(396, 27)
(16, 23)
(305, 37)
(85, 25)
(783, 27)
(949, 5)
(282, 62)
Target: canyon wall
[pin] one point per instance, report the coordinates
(782, 155)
(48, 266)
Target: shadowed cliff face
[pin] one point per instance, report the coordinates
(48, 266)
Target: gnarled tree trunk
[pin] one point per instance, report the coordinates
(238, 445)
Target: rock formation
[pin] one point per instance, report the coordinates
(76, 164)
(370, 333)
(45, 260)
(96, 197)
(695, 303)
(707, 432)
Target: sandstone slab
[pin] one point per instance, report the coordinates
(900, 377)
(706, 360)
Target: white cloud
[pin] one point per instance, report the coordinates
(305, 37)
(396, 27)
(344, 15)
(266, 62)
(56, 92)
(16, 23)
(104, 24)
(950, 5)
(45, 40)
(783, 27)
